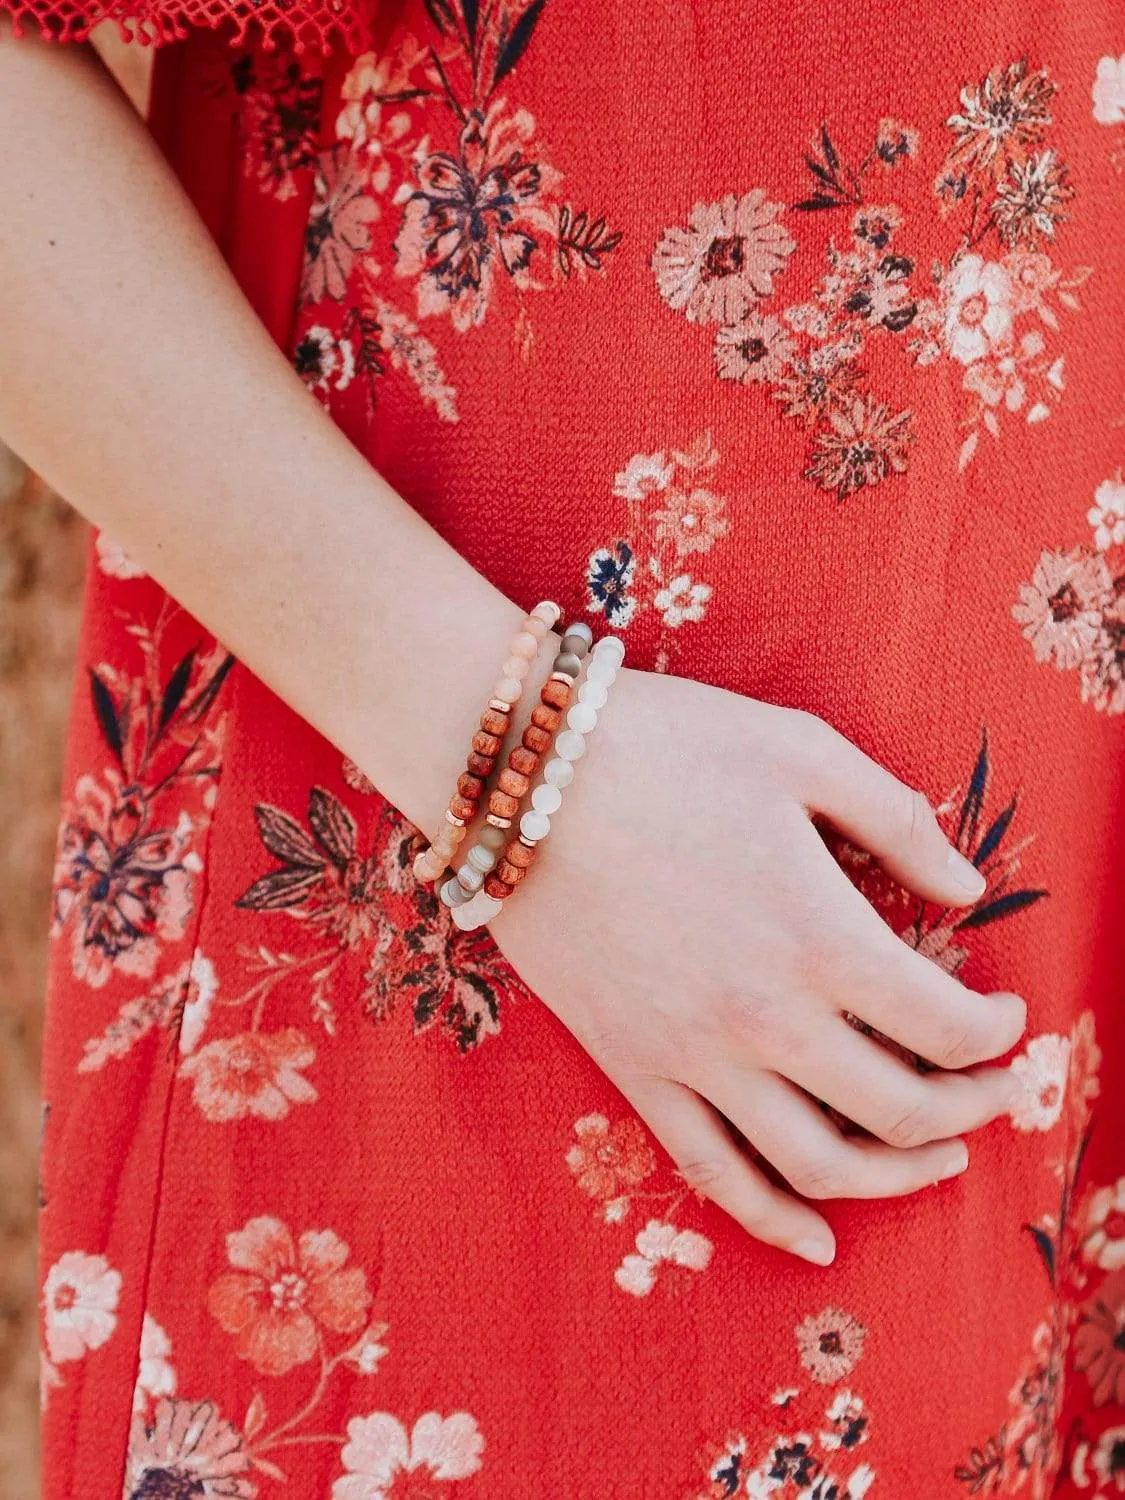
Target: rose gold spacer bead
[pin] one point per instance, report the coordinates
(497, 821)
(498, 706)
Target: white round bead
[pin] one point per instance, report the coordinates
(558, 772)
(465, 917)
(471, 879)
(602, 670)
(535, 826)
(583, 718)
(570, 745)
(593, 693)
(611, 647)
(487, 908)
(481, 859)
(546, 798)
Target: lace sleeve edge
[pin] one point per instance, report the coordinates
(306, 26)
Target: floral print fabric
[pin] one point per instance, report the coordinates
(795, 365)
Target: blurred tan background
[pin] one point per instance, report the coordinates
(42, 557)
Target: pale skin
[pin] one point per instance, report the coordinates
(685, 921)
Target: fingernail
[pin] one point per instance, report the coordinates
(966, 874)
(955, 1162)
(820, 1252)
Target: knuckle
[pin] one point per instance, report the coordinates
(705, 1174)
(913, 1127)
(918, 816)
(821, 1178)
(957, 1048)
(748, 1016)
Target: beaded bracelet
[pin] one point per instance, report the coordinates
(523, 763)
(535, 824)
(431, 863)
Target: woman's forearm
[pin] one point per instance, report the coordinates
(141, 385)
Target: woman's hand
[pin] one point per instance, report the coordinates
(688, 925)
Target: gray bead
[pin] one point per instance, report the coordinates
(567, 662)
(492, 838)
(482, 859)
(453, 893)
(581, 629)
(575, 644)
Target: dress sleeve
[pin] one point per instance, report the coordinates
(303, 25)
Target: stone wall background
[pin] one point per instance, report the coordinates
(42, 556)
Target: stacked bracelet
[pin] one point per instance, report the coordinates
(431, 863)
(523, 763)
(473, 906)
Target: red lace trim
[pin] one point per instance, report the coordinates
(304, 25)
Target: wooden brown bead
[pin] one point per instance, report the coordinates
(509, 873)
(461, 807)
(469, 786)
(557, 694)
(492, 721)
(496, 888)
(536, 739)
(480, 765)
(546, 717)
(503, 804)
(518, 854)
(513, 783)
(525, 761)
(488, 744)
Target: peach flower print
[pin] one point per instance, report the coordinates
(383, 1460)
(830, 1345)
(726, 259)
(189, 1450)
(280, 1294)
(606, 1158)
(692, 520)
(1099, 1343)
(80, 1296)
(256, 1073)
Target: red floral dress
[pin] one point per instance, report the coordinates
(785, 340)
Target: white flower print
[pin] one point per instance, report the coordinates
(1107, 514)
(847, 1423)
(112, 559)
(1103, 1241)
(202, 986)
(80, 1297)
(658, 1243)
(379, 1449)
(978, 308)
(155, 1375)
(1042, 1068)
(1109, 91)
(322, 360)
(643, 473)
(682, 600)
